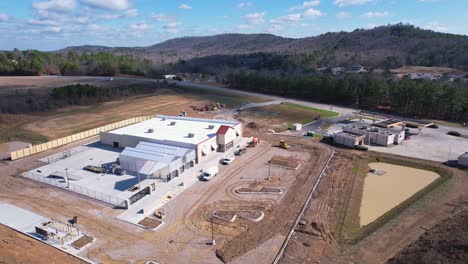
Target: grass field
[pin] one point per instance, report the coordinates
(41, 127)
(281, 116)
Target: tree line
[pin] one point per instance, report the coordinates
(76, 94)
(414, 98)
(33, 62)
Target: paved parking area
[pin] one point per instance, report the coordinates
(432, 144)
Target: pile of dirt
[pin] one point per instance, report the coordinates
(286, 162)
(445, 243)
(252, 125)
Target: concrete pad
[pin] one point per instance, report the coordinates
(25, 222)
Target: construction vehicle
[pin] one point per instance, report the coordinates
(283, 144)
(117, 170)
(254, 142)
(95, 169)
(161, 214)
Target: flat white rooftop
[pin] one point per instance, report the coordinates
(175, 129)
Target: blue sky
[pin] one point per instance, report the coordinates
(54, 24)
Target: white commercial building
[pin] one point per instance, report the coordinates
(347, 139)
(376, 135)
(166, 145)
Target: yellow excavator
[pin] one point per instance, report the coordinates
(283, 144)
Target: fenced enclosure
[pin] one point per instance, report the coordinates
(57, 182)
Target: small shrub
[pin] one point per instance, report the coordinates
(361, 147)
(454, 133)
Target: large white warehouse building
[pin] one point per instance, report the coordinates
(166, 146)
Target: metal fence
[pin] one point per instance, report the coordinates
(76, 189)
(64, 154)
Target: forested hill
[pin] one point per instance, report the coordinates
(386, 46)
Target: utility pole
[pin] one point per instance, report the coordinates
(213, 241)
(66, 178)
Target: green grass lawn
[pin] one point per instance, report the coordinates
(323, 113)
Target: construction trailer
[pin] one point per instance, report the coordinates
(463, 159)
(376, 135)
(348, 139)
(296, 127)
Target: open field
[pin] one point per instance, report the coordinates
(280, 116)
(14, 83)
(422, 69)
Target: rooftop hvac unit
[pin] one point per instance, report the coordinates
(210, 126)
(173, 123)
(190, 135)
(150, 130)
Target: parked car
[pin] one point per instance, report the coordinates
(210, 173)
(240, 152)
(228, 160)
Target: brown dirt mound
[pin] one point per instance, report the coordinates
(286, 162)
(150, 223)
(445, 243)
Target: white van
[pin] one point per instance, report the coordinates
(210, 173)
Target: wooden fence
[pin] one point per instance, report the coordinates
(75, 137)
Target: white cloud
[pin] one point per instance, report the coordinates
(375, 14)
(184, 6)
(287, 18)
(43, 22)
(162, 17)
(55, 5)
(244, 26)
(275, 28)
(311, 12)
(244, 4)
(342, 3)
(343, 15)
(435, 26)
(4, 17)
(140, 26)
(305, 4)
(255, 18)
(108, 4)
(173, 27)
(53, 29)
(133, 12)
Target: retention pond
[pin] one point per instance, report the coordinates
(388, 186)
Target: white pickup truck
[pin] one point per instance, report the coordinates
(210, 173)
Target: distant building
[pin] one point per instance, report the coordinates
(355, 68)
(337, 70)
(348, 139)
(376, 135)
(463, 159)
(170, 76)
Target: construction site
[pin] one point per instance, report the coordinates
(213, 184)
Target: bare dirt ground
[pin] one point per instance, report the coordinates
(445, 243)
(183, 237)
(33, 82)
(18, 248)
(316, 234)
(319, 238)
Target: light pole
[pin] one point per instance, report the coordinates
(66, 178)
(213, 241)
